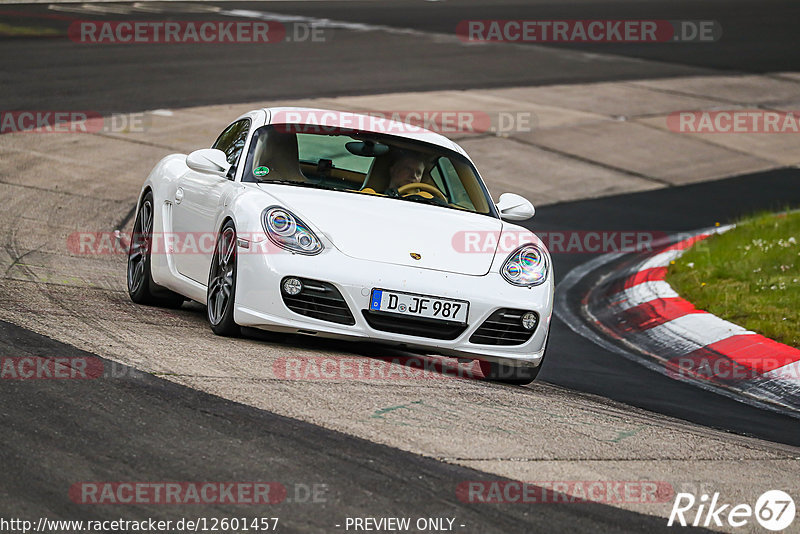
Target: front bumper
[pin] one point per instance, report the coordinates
(259, 303)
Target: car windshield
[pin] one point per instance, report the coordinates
(366, 163)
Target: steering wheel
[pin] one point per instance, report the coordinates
(428, 188)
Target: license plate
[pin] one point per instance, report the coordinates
(424, 306)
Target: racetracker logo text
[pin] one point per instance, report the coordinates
(397, 368)
(177, 493)
(588, 31)
(71, 122)
(734, 121)
(557, 242)
(400, 122)
(564, 491)
(178, 243)
(718, 368)
(57, 368)
(148, 32)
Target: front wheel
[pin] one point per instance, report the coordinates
(222, 284)
(509, 374)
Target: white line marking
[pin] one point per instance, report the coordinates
(641, 293)
(688, 333)
(661, 260)
(789, 371)
(92, 9)
(332, 24)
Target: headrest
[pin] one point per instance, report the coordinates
(278, 151)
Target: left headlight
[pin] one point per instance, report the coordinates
(287, 231)
(526, 266)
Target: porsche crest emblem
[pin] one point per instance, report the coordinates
(416, 256)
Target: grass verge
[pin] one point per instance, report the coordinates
(749, 276)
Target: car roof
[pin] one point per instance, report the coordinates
(375, 123)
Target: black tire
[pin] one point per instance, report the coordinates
(141, 287)
(508, 374)
(221, 292)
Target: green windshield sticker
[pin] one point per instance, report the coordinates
(261, 171)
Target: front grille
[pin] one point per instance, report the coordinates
(503, 327)
(413, 326)
(319, 300)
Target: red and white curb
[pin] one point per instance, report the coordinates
(637, 308)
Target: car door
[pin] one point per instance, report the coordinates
(198, 201)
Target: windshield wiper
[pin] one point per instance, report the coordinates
(423, 200)
(299, 184)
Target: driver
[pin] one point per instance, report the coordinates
(407, 169)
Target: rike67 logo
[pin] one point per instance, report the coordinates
(774, 510)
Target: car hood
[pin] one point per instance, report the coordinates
(393, 231)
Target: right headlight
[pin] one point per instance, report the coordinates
(526, 266)
(287, 231)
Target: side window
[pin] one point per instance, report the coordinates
(436, 176)
(453, 181)
(231, 141)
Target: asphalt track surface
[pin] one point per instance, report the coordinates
(142, 427)
(139, 427)
(56, 73)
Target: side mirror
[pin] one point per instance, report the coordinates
(208, 161)
(513, 207)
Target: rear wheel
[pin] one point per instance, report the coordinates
(141, 287)
(222, 284)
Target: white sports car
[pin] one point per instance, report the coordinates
(346, 226)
